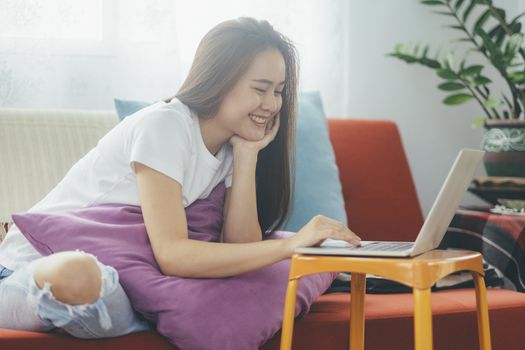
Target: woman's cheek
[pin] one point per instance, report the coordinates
(279, 105)
(256, 101)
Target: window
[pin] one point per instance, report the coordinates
(51, 19)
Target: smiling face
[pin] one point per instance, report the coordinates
(249, 108)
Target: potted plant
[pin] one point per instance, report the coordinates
(488, 32)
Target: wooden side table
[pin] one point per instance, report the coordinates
(420, 273)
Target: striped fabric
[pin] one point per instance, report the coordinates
(37, 148)
(500, 238)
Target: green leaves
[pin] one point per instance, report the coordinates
(430, 63)
(469, 9)
(411, 55)
(457, 99)
(447, 74)
(473, 70)
(478, 122)
(450, 86)
(488, 31)
(481, 80)
(501, 30)
(492, 102)
(458, 4)
(517, 77)
(481, 21)
(512, 46)
(444, 13)
(404, 57)
(497, 34)
(515, 25)
(433, 2)
(501, 57)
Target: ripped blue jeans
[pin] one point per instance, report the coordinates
(25, 306)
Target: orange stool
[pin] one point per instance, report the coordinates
(420, 273)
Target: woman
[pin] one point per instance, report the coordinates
(232, 120)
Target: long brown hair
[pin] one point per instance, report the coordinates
(222, 57)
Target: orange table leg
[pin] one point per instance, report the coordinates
(482, 312)
(422, 319)
(357, 318)
(288, 316)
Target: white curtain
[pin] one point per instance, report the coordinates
(83, 53)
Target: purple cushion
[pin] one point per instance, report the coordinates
(240, 312)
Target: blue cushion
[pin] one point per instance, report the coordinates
(318, 189)
(127, 107)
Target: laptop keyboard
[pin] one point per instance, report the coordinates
(386, 246)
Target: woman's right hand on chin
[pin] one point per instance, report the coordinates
(317, 230)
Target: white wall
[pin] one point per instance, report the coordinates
(384, 87)
(342, 46)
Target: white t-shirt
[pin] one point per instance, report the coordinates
(163, 136)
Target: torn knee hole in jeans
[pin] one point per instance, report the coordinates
(61, 313)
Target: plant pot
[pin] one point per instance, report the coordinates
(504, 144)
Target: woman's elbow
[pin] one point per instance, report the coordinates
(172, 263)
(167, 268)
(173, 268)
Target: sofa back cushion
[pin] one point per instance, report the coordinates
(380, 196)
(317, 188)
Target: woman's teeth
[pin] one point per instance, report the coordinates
(257, 119)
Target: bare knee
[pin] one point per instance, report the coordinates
(75, 277)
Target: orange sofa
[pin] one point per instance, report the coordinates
(381, 203)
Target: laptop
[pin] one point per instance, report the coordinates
(434, 227)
